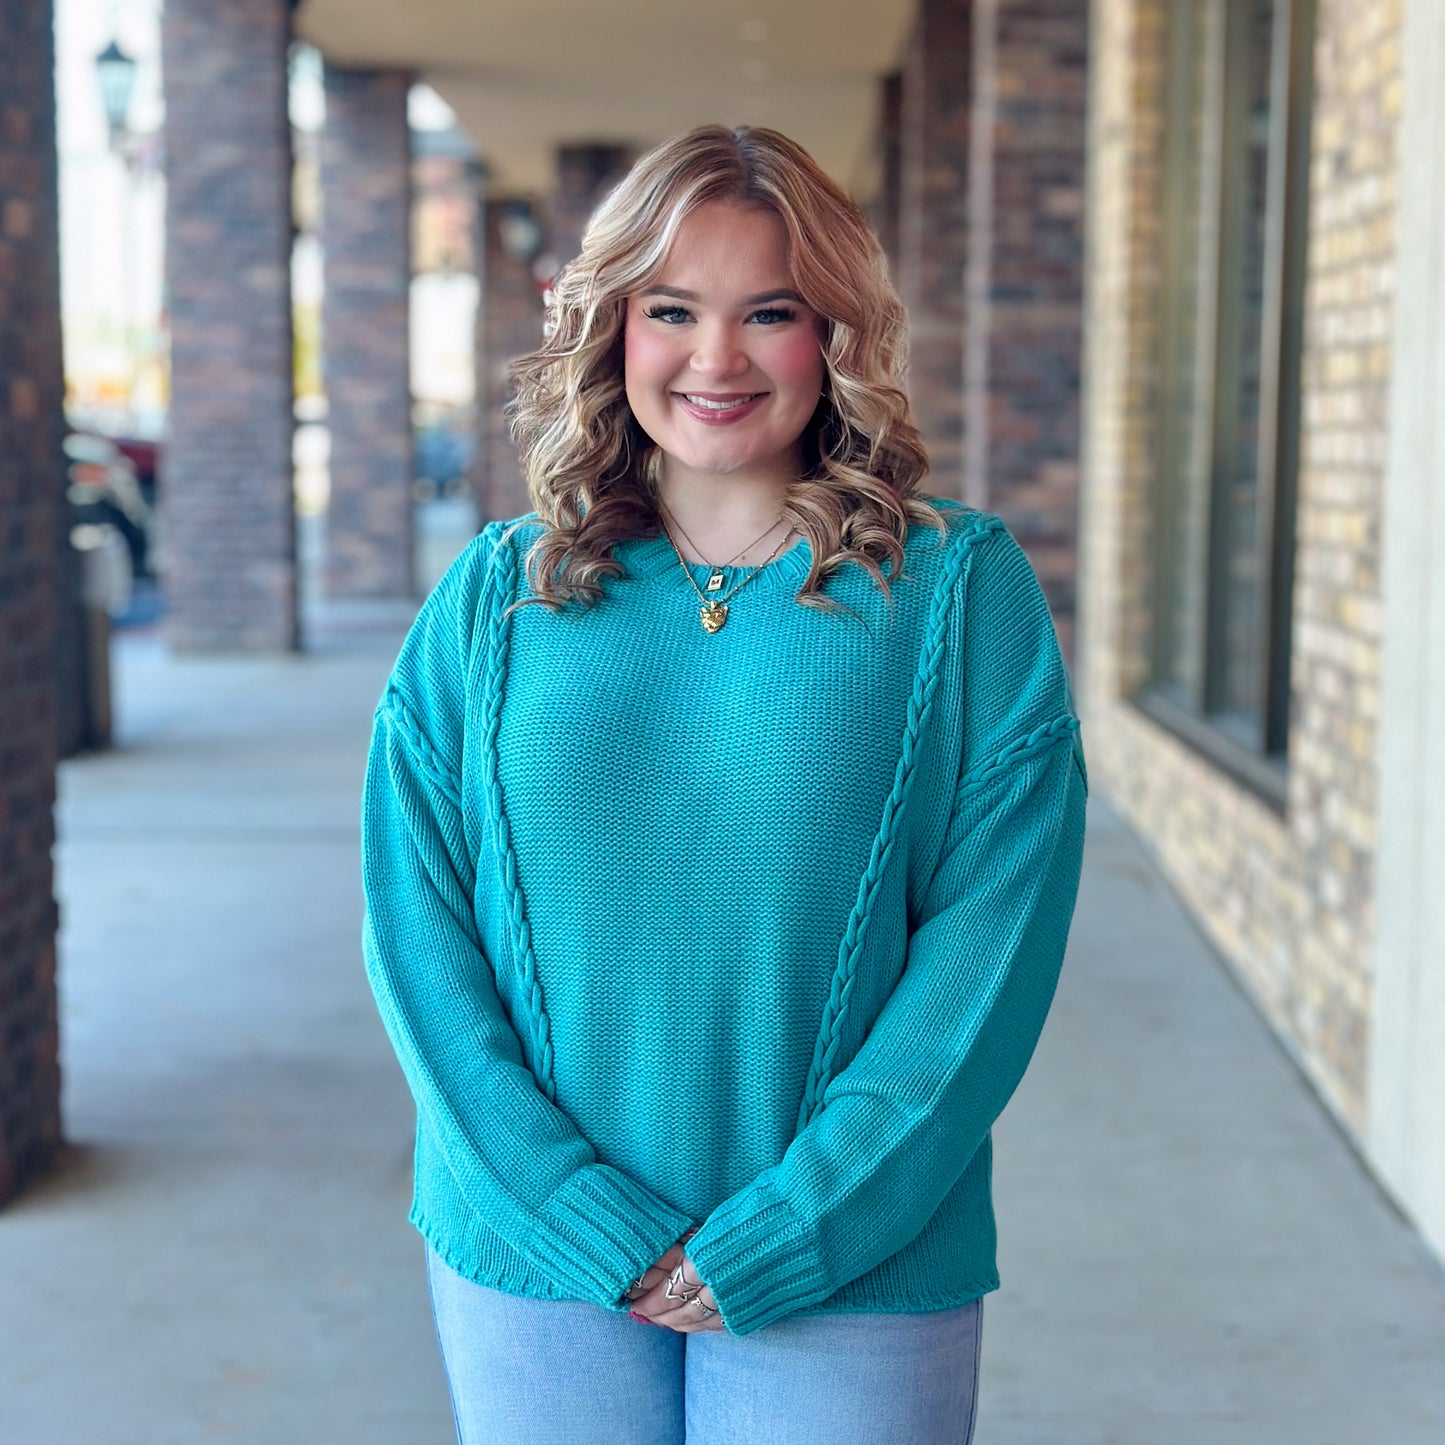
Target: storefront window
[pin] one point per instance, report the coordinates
(1235, 140)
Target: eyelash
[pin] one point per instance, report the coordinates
(785, 313)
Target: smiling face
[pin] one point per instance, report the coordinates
(723, 361)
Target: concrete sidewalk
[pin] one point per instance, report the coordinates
(1190, 1252)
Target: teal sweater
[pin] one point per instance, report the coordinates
(753, 930)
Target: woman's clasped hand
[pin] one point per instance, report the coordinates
(651, 1304)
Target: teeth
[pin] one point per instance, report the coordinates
(718, 405)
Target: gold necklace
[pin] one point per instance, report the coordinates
(714, 611)
(715, 578)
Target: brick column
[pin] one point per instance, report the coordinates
(1024, 292)
(226, 488)
(509, 323)
(584, 174)
(31, 489)
(883, 210)
(509, 318)
(936, 104)
(366, 231)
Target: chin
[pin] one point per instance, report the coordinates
(722, 466)
(727, 458)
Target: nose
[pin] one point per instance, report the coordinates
(718, 351)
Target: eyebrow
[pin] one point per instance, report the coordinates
(757, 300)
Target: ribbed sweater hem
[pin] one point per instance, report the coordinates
(846, 1301)
(900, 1285)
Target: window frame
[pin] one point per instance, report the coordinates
(1251, 750)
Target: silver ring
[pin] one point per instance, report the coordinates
(686, 1296)
(706, 1309)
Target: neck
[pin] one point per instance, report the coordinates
(720, 514)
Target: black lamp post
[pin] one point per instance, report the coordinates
(116, 72)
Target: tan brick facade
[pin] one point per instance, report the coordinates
(1288, 900)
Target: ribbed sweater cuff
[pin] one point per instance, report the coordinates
(602, 1229)
(759, 1259)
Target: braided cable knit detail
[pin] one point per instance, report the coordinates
(920, 706)
(1016, 752)
(427, 758)
(499, 631)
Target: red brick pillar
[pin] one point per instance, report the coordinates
(226, 486)
(31, 535)
(509, 323)
(936, 106)
(509, 318)
(1024, 295)
(884, 209)
(366, 233)
(584, 175)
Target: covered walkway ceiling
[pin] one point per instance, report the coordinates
(527, 75)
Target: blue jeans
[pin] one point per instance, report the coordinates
(535, 1372)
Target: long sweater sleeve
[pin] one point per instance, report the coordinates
(518, 1159)
(897, 1126)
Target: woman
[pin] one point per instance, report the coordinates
(722, 831)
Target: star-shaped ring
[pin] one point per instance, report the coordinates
(686, 1295)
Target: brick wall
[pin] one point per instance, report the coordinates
(1288, 900)
(509, 323)
(883, 208)
(31, 484)
(229, 554)
(1023, 295)
(936, 106)
(584, 174)
(1335, 677)
(365, 227)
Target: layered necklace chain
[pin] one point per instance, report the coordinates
(714, 610)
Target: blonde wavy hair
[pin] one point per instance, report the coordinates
(592, 471)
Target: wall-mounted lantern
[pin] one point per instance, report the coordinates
(116, 72)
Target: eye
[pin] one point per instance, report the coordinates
(669, 314)
(776, 314)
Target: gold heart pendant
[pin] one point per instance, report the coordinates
(713, 615)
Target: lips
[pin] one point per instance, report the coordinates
(719, 408)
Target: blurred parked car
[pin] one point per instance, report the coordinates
(103, 488)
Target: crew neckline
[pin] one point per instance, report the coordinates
(654, 556)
